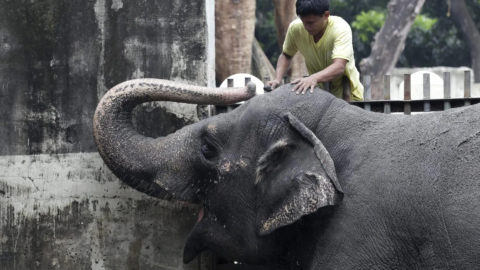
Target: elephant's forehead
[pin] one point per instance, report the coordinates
(245, 117)
(212, 128)
(219, 125)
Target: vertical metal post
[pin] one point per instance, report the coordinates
(467, 87)
(426, 92)
(386, 94)
(446, 90)
(347, 92)
(368, 92)
(407, 86)
(229, 84)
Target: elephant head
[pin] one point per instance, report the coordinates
(255, 170)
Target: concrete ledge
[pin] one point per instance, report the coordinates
(69, 212)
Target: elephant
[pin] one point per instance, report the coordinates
(291, 181)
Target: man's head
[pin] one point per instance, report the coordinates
(314, 14)
(312, 7)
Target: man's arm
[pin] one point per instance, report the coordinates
(283, 65)
(331, 72)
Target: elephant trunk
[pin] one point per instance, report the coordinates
(141, 161)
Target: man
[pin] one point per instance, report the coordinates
(326, 43)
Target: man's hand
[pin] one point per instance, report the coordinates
(302, 85)
(273, 84)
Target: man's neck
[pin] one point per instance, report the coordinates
(320, 34)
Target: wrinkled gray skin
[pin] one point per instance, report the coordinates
(411, 184)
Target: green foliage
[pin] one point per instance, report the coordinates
(425, 23)
(349, 9)
(265, 30)
(443, 44)
(368, 23)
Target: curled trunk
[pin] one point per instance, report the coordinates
(156, 167)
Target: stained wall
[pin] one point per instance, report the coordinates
(60, 207)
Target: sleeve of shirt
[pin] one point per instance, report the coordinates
(342, 46)
(289, 46)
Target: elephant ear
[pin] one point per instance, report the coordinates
(295, 177)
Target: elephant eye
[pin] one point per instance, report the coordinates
(201, 197)
(208, 150)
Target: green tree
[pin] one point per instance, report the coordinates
(367, 24)
(265, 31)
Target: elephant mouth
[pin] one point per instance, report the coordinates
(194, 245)
(200, 214)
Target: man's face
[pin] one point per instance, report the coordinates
(314, 24)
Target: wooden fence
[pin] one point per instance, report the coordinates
(407, 105)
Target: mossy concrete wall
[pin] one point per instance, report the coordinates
(60, 207)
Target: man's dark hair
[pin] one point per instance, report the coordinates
(312, 7)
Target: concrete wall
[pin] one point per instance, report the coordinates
(60, 207)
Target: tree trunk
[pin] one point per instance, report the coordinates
(471, 35)
(284, 15)
(234, 32)
(261, 66)
(390, 42)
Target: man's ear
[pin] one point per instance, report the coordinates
(295, 177)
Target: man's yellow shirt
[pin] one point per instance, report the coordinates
(336, 42)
